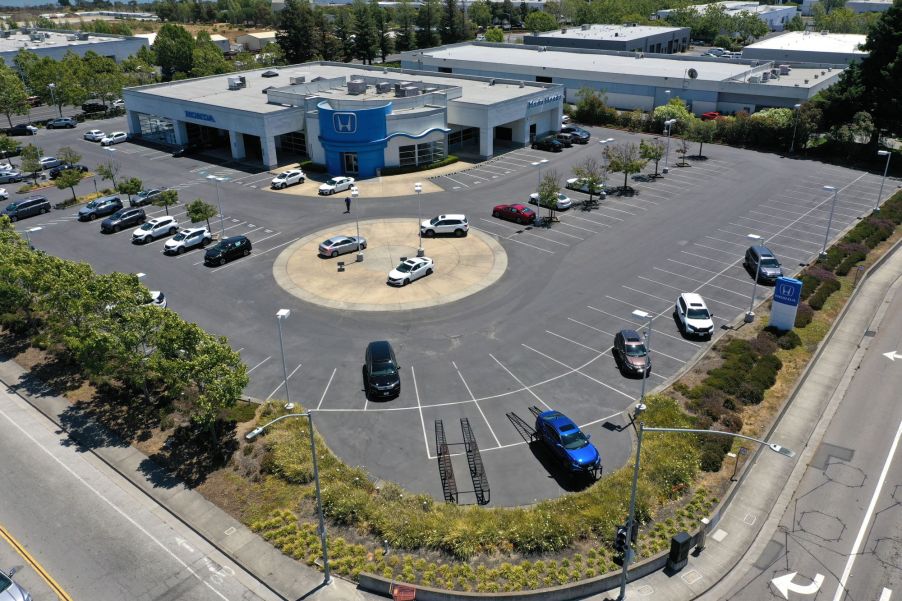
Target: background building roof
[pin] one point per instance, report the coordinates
(608, 32)
(809, 41)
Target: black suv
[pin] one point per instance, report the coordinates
(380, 370)
(56, 171)
(122, 218)
(548, 143)
(27, 208)
(227, 249)
(93, 107)
(631, 353)
(577, 134)
(760, 261)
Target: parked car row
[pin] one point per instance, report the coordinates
(567, 137)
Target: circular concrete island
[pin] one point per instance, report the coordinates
(463, 266)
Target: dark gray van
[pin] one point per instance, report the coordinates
(28, 207)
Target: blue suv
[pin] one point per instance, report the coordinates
(567, 442)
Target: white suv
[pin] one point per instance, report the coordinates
(693, 315)
(446, 224)
(287, 178)
(156, 227)
(187, 239)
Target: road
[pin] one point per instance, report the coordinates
(93, 534)
(842, 533)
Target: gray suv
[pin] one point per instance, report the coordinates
(760, 261)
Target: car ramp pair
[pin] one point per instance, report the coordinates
(474, 462)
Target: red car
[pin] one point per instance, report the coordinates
(519, 213)
(710, 116)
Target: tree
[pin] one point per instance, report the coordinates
(69, 179)
(30, 161)
(451, 31)
(297, 36)
(701, 132)
(271, 55)
(344, 32)
(218, 377)
(366, 37)
(166, 199)
(652, 150)
(795, 24)
(405, 18)
(624, 158)
(207, 58)
(104, 77)
(429, 19)
(748, 26)
(130, 186)
(327, 44)
(68, 155)
(540, 21)
(590, 171)
(13, 96)
(494, 34)
(7, 147)
(549, 189)
(109, 171)
(173, 48)
(683, 150)
(198, 210)
(480, 13)
(674, 109)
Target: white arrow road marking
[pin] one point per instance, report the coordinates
(892, 355)
(785, 584)
(886, 594)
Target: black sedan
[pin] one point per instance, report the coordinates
(56, 171)
(22, 129)
(227, 249)
(550, 143)
(577, 134)
(122, 218)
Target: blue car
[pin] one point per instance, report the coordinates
(567, 442)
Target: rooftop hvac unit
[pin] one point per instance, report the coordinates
(297, 79)
(356, 86)
(82, 36)
(382, 87)
(69, 38)
(243, 81)
(784, 69)
(429, 90)
(585, 27)
(765, 76)
(754, 79)
(234, 83)
(410, 91)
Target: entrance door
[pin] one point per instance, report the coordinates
(349, 160)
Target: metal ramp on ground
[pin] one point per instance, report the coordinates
(445, 469)
(474, 461)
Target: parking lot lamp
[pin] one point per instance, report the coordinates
(28, 238)
(418, 188)
(218, 179)
(327, 578)
(795, 124)
(830, 218)
(645, 315)
(668, 125)
(539, 164)
(354, 194)
(52, 88)
(750, 315)
(280, 315)
(628, 552)
(887, 154)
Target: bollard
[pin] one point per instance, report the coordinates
(341, 266)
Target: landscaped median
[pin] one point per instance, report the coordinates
(378, 528)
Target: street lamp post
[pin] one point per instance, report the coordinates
(645, 315)
(628, 553)
(52, 87)
(354, 194)
(829, 219)
(418, 188)
(668, 126)
(28, 238)
(218, 179)
(750, 316)
(280, 315)
(327, 578)
(795, 124)
(539, 164)
(888, 155)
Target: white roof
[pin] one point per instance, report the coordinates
(813, 42)
(215, 37)
(609, 32)
(50, 39)
(260, 35)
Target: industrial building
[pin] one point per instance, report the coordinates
(255, 42)
(55, 44)
(776, 16)
(635, 80)
(628, 38)
(822, 48)
(354, 119)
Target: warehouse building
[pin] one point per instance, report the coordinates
(354, 119)
(55, 44)
(257, 41)
(627, 38)
(776, 16)
(822, 48)
(635, 80)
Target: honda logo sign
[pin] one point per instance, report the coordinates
(787, 291)
(344, 123)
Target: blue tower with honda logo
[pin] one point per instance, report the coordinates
(354, 141)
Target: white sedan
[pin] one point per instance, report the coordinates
(581, 185)
(94, 135)
(410, 270)
(287, 178)
(563, 201)
(336, 184)
(4, 195)
(114, 138)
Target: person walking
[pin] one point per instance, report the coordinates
(347, 204)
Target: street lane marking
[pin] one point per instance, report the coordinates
(475, 402)
(46, 577)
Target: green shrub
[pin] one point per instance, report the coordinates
(732, 422)
(309, 166)
(804, 315)
(823, 292)
(449, 160)
(713, 450)
(809, 285)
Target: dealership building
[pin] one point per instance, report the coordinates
(636, 80)
(354, 119)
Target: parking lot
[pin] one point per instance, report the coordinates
(541, 336)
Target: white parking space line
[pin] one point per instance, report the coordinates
(585, 325)
(839, 210)
(710, 285)
(726, 252)
(576, 370)
(512, 239)
(504, 172)
(790, 217)
(690, 265)
(632, 323)
(523, 231)
(259, 364)
(607, 207)
(455, 181)
(281, 384)
(519, 381)
(624, 203)
(254, 255)
(416, 391)
(566, 234)
(792, 224)
(594, 221)
(468, 173)
(510, 158)
(794, 235)
(475, 402)
(691, 254)
(726, 241)
(585, 229)
(326, 389)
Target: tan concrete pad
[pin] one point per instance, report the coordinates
(463, 266)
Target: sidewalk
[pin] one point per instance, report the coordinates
(281, 574)
(767, 485)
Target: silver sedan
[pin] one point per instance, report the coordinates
(339, 245)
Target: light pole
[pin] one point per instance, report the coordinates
(28, 238)
(888, 155)
(354, 194)
(668, 125)
(604, 156)
(539, 164)
(795, 124)
(645, 315)
(280, 315)
(628, 552)
(829, 219)
(218, 179)
(52, 87)
(418, 188)
(327, 578)
(750, 315)
(667, 97)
